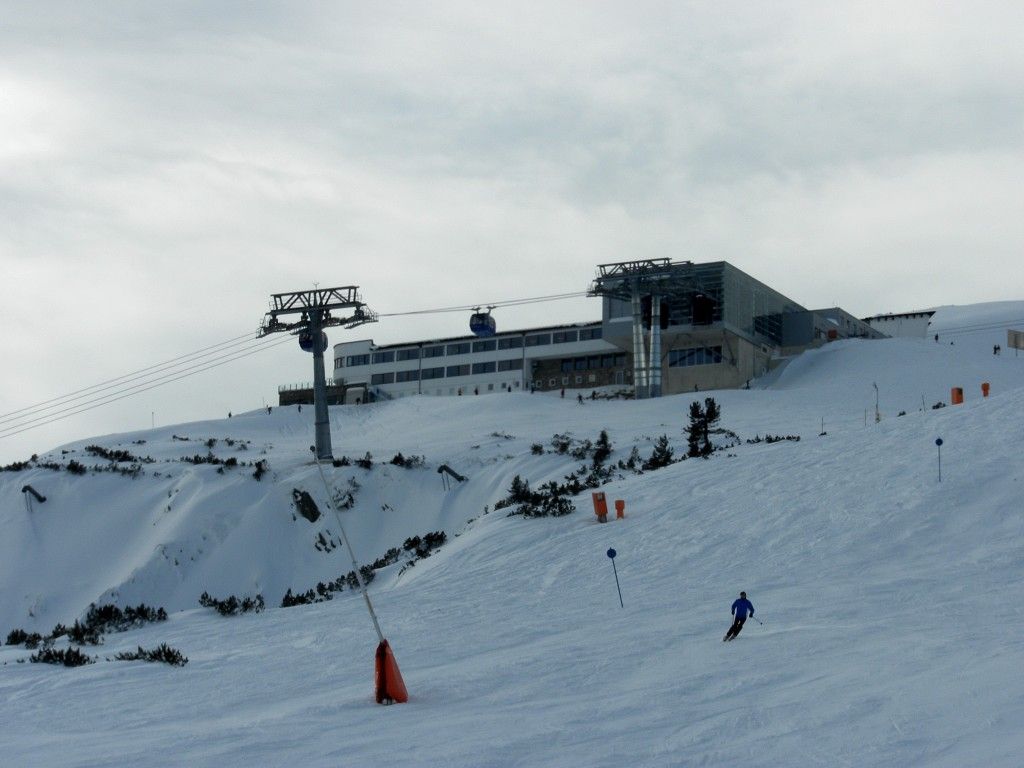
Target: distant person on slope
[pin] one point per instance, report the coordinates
(740, 609)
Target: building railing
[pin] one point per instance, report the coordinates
(308, 385)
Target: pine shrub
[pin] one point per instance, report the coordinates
(16, 637)
(71, 657)
(162, 653)
(661, 456)
(232, 606)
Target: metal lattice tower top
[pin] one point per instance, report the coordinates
(319, 301)
(619, 280)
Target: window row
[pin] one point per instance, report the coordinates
(399, 377)
(467, 347)
(682, 358)
(593, 362)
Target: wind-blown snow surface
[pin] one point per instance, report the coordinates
(891, 602)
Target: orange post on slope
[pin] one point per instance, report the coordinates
(956, 395)
(600, 506)
(984, 389)
(620, 509)
(390, 688)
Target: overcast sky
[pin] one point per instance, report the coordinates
(165, 167)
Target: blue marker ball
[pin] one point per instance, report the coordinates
(611, 553)
(938, 441)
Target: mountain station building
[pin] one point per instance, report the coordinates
(696, 326)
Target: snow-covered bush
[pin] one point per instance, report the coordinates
(162, 652)
(232, 606)
(71, 657)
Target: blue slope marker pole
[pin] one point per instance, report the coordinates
(611, 554)
(938, 444)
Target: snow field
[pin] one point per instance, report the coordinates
(891, 602)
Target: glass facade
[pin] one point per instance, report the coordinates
(739, 302)
(683, 358)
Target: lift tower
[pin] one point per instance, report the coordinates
(631, 281)
(315, 310)
(654, 280)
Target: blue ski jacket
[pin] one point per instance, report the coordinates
(742, 607)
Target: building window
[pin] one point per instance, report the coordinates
(566, 364)
(436, 351)
(383, 357)
(511, 342)
(620, 361)
(462, 348)
(382, 378)
(586, 334)
(483, 367)
(538, 339)
(339, 362)
(457, 370)
(403, 376)
(580, 364)
(594, 362)
(407, 354)
(684, 358)
(353, 360)
(432, 373)
(485, 346)
(515, 364)
(563, 337)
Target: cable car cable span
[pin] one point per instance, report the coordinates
(494, 304)
(135, 390)
(141, 373)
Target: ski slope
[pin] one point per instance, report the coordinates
(891, 602)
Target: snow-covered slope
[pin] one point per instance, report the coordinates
(890, 600)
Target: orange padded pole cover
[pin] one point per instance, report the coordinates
(984, 389)
(390, 688)
(956, 395)
(600, 505)
(620, 508)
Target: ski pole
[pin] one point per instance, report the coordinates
(757, 619)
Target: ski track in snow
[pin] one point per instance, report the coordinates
(892, 603)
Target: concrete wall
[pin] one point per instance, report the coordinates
(742, 361)
(908, 325)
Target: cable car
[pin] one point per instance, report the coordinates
(306, 341)
(482, 324)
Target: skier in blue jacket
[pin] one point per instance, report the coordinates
(740, 609)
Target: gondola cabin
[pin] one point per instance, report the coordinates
(306, 341)
(482, 324)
